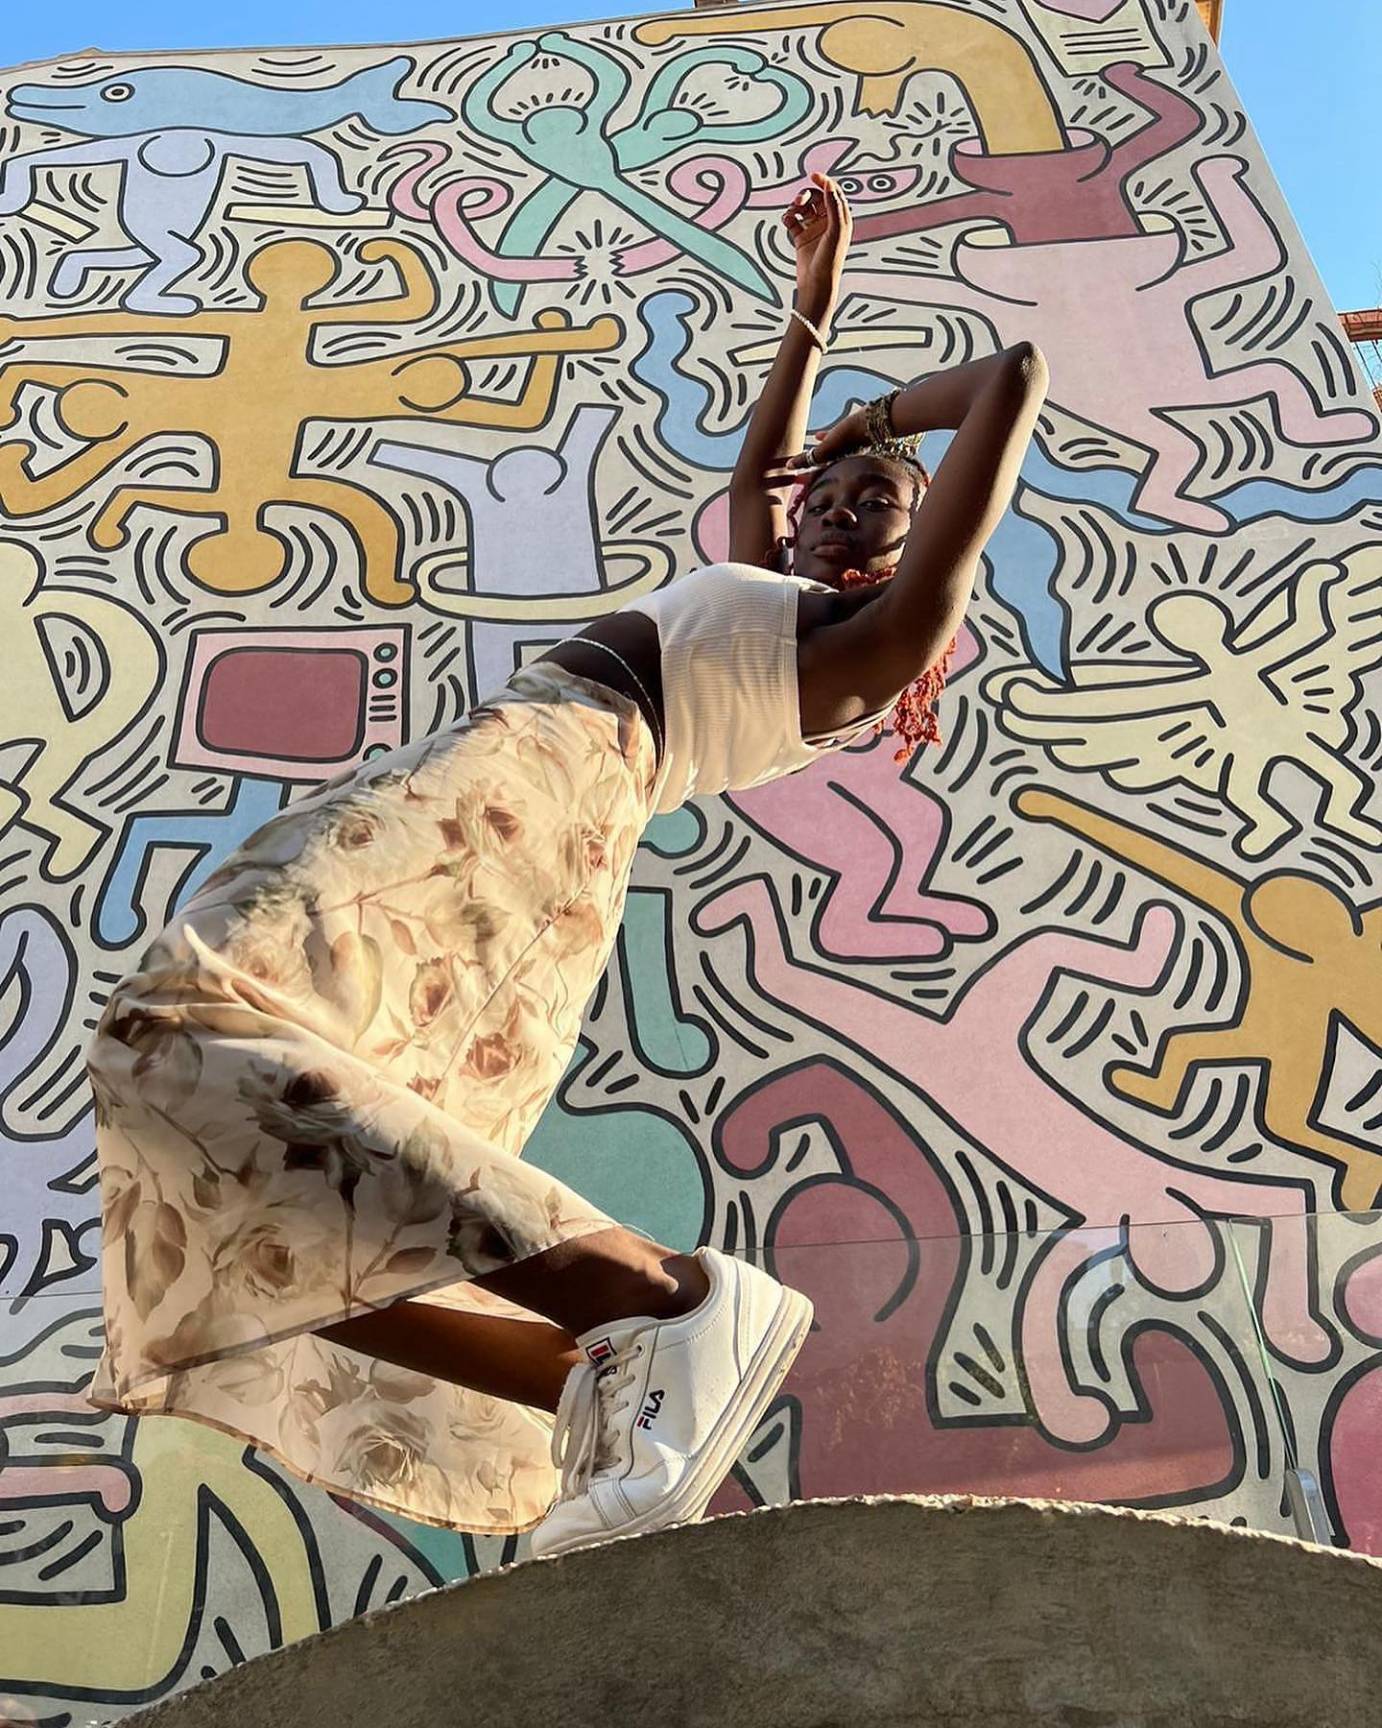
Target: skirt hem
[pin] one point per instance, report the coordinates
(124, 1388)
(313, 1481)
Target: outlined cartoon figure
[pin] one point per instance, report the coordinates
(520, 507)
(1348, 1425)
(717, 188)
(883, 1249)
(1309, 960)
(880, 834)
(206, 836)
(1076, 193)
(132, 1642)
(127, 1518)
(169, 131)
(254, 410)
(887, 45)
(1048, 293)
(119, 667)
(765, 1081)
(1275, 689)
(580, 152)
(975, 1066)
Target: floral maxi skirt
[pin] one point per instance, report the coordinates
(313, 1096)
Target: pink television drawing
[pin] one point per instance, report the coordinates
(295, 705)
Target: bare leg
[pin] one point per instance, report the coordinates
(613, 1275)
(522, 1361)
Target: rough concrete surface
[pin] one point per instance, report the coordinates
(835, 1614)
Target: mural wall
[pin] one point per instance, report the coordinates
(338, 382)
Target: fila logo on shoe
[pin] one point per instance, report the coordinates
(600, 1351)
(650, 1409)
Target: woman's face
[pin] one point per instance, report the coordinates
(855, 517)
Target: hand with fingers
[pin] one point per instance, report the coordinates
(819, 224)
(849, 432)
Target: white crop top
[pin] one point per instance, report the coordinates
(731, 705)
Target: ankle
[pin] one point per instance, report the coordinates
(664, 1289)
(602, 1279)
(686, 1284)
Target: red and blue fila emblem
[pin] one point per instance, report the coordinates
(600, 1351)
(650, 1409)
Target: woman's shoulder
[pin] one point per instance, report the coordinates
(728, 572)
(703, 593)
(731, 570)
(720, 578)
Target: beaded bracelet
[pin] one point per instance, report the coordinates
(809, 327)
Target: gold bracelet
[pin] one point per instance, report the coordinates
(878, 418)
(809, 327)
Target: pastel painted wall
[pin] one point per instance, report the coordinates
(337, 382)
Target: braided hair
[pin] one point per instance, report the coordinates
(914, 713)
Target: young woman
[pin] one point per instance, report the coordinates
(313, 1095)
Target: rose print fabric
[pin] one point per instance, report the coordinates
(313, 1096)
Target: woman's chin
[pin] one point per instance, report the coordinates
(828, 566)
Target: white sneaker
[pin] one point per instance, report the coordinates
(650, 1425)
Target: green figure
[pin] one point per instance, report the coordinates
(572, 146)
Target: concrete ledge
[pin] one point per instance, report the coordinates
(836, 1614)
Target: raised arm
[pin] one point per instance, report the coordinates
(17, 172)
(993, 405)
(611, 78)
(819, 224)
(1173, 865)
(323, 169)
(477, 105)
(417, 300)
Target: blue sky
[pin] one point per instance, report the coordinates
(1307, 71)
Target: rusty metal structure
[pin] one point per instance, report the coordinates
(1364, 330)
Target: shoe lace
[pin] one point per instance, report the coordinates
(585, 1437)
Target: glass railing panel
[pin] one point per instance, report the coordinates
(1314, 1286)
(1105, 1364)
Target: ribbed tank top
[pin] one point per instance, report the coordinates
(731, 703)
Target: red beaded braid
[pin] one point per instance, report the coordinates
(914, 713)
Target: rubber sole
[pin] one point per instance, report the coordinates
(773, 1359)
(796, 1321)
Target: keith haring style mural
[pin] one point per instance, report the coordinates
(336, 384)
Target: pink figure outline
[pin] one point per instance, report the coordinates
(973, 1066)
(879, 833)
(881, 1251)
(1353, 1415)
(46, 1480)
(1051, 294)
(455, 204)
